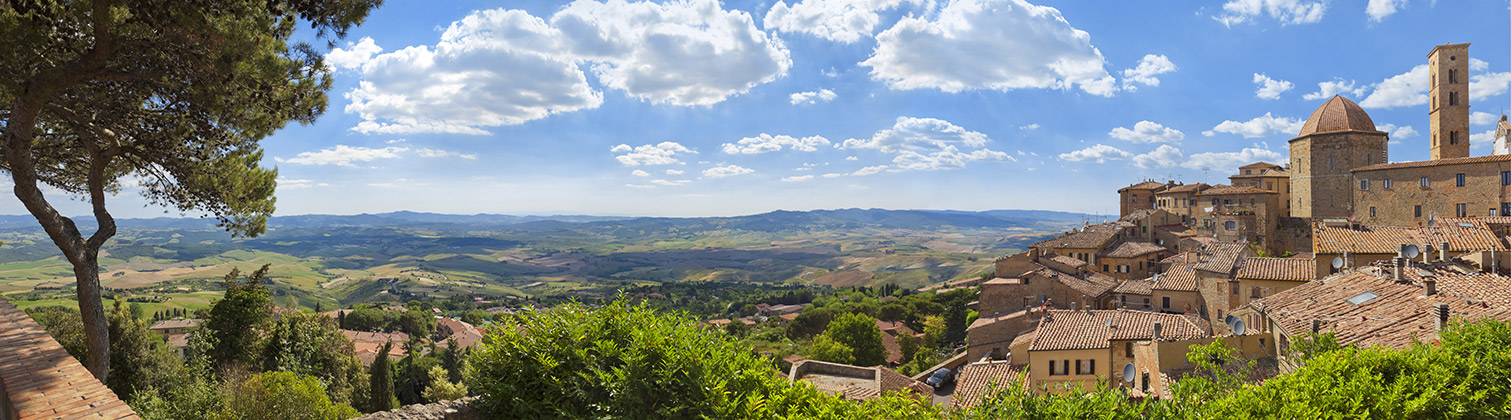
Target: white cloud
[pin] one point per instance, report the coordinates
(1336, 86)
(354, 55)
(1261, 126)
(1482, 141)
(822, 95)
(1482, 118)
(435, 153)
(1397, 133)
(851, 158)
(797, 178)
(506, 67)
(1148, 132)
(927, 144)
(1270, 88)
(663, 153)
(1288, 12)
(1163, 157)
(298, 184)
(726, 170)
(1034, 126)
(1379, 9)
(1099, 153)
(989, 44)
(768, 143)
(869, 170)
(1487, 85)
(1406, 89)
(673, 172)
(639, 186)
(638, 172)
(343, 155)
(844, 21)
(1152, 65)
(1225, 160)
(671, 183)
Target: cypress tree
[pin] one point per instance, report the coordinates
(381, 376)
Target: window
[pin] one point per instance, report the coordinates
(1362, 297)
(1127, 349)
(1028, 301)
(1230, 225)
(1214, 201)
(1453, 100)
(1453, 137)
(1385, 183)
(1104, 268)
(1247, 171)
(1364, 184)
(1146, 302)
(1086, 367)
(1505, 209)
(1461, 209)
(1052, 366)
(1255, 293)
(1419, 211)
(1459, 179)
(1425, 183)
(1371, 211)
(1329, 163)
(1235, 289)
(1491, 213)
(1453, 75)
(1165, 301)
(1226, 201)
(1505, 177)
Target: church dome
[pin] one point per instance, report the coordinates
(1337, 114)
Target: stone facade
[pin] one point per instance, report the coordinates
(1322, 182)
(1181, 201)
(1397, 195)
(1266, 176)
(1448, 100)
(1138, 196)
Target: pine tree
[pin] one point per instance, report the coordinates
(381, 376)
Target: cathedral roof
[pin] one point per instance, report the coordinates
(1337, 114)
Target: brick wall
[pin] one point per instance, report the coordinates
(1396, 206)
(41, 381)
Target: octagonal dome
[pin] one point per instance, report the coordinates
(1337, 114)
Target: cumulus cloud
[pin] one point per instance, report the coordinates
(1397, 132)
(1163, 157)
(1486, 85)
(1406, 89)
(1149, 67)
(768, 143)
(1288, 12)
(343, 155)
(670, 183)
(989, 45)
(1482, 141)
(1379, 9)
(1222, 160)
(298, 184)
(797, 178)
(844, 21)
(1099, 153)
(1334, 87)
(869, 170)
(821, 95)
(354, 55)
(673, 172)
(435, 153)
(1270, 88)
(1148, 132)
(1482, 118)
(664, 153)
(726, 170)
(638, 172)
(506, 67)
(1034, 126)
(1262, 126)
(928, 144)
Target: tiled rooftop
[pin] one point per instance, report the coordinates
(1221, 257)
(1435, 162)
(1082, 330)
(1135, 286)
(1185, 188)
(1238, 190)
(1094, 236)
(1067, 261)
(42, 381)
(1146, 185)
(1179, 277)
(976, 380)
(174, 324)
(1287, 269)
(1131, 249)
(1095, 284)
(1337, 114)
(1461, 236)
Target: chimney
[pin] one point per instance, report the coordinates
(1443, 251)
(1400, 267)
(1316, 326)
(1440, 310)
(1430, 284)
(1158, 328)
(1085, 305)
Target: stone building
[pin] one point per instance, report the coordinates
(1338, 137)
(1084, 348)
(1448, 99)
(1181, 201)
(1502, 135)
(1138, 196)
(1266, 176)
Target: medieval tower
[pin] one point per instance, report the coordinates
(1338, 137)
(1448, 100)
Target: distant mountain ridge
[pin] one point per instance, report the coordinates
(778, 220)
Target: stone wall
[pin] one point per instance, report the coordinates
(1321, 181)
(1481, 195)
(1293, 234)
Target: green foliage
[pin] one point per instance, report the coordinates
(857, 333)
(413, 377)
(65, 325)
(311, 345)
(194, 399)
(811, 322)
(829, 350)
(955, 322)
(1313, 345)
(737, 329)
(893, 311)
(441, 388)
(139, 358)
(282, 396)
(451, 360)
(414, 322)
(236, 317)
(380, 376)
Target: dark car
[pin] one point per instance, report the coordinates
(940, 378)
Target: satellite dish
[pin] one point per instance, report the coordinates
(1128, 372)
(1230, 320)
(1432, 223)
(1337, 262)
(1239, 328)
(1412, 251)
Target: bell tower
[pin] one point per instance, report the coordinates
(1448, 100)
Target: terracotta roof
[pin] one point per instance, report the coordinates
(1221, 257)
(1262, 164)
(1135, 287)
(1094, 236)
(1095, 284)
(1238, 190)
(1084, 330)
(375, 337)
(1476, 236)
(1067, 261)
(1024, 338)
(1337, 114)
(1288, 269)
(1436, 162)
(1179, 277)
(175, 324)
(977, 380)
(1398, 314)
(1197, 187)
(42, 381)
(1188, 257)
(1130, 249)
(1146, 185)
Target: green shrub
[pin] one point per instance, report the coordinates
(282, 396)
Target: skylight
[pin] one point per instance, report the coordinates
(1362, 297)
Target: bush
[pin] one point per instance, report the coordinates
(282, 396)
(442, 390)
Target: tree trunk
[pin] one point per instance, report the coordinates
(92, 310)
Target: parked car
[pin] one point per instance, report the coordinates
(940, 378)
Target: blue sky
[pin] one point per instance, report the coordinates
(701, 108)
